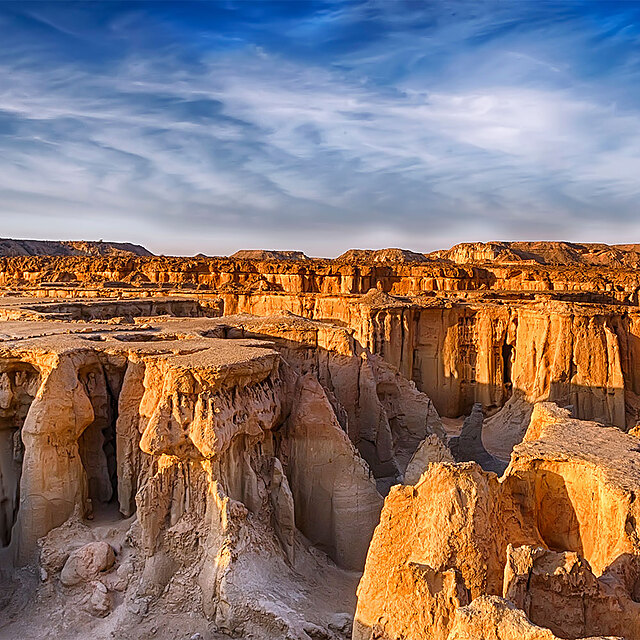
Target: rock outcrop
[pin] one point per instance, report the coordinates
(493, 618)
(556, 535)
(502, 335)
(235, 449)
(203, 446)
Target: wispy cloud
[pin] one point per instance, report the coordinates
(428, 129)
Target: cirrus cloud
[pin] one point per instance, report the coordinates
(257, 126)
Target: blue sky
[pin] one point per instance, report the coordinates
(207, 127)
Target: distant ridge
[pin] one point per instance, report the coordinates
(544, 253)
(267, 254)
(11, 247)
(381, 255)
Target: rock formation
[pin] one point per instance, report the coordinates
(556, 536)
(203, 446)
(380, 255)
(549, 253)
(267, 254)
(493, 618)
(228, 445)
(10, 247)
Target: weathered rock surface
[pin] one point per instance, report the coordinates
(231, 445)
(493, 618)
(497, 334)
(557, 535)
(87, 562)
(228, 427)
(431, 449)
(468, 445)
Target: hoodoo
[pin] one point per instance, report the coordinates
(386, 445)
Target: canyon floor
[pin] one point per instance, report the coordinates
(387, 445)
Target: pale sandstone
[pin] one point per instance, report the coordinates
(557, 534)
(431, 449)
(246, 452)
(87, 562)
(559, 591)
(234, 442)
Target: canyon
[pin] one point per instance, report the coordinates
(388, 445)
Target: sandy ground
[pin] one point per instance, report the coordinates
(453, 426)
(33, 610)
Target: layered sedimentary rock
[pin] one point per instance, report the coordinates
(479, 331)
(238, 449)
(205, 444)
(395, 271)
(556, 535)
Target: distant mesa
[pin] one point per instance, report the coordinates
(485, 254)
(267, 254)
(381, 255)
(11, 247)
(545, 253)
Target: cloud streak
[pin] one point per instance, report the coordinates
(429, 129)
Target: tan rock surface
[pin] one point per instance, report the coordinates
(230, 444)
(236, 464)
(556, 535)
(493, 618)
(87, 562)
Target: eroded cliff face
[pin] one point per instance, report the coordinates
(466, 326)
(352, 275)
(556, 536)
(206, 444)
(246, 458)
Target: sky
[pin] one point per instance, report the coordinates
(320, 126)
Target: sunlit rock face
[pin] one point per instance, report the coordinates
(223, 452)
(556, 536)
(223, 445)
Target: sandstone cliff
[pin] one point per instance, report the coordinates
(556, 535)
(230, 446)
(205, 444)
(497, 335)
